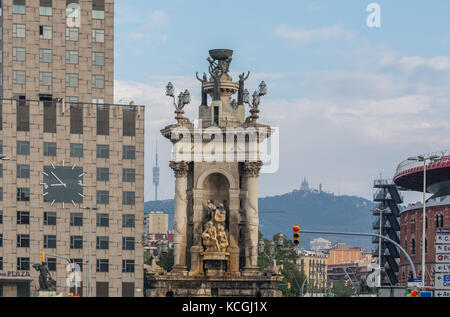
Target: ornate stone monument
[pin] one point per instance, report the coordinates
(217, 164)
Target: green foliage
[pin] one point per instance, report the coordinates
(341, 291)
(148, 258)
(285, 255)
(166, 260)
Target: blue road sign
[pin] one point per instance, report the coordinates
(426, 294)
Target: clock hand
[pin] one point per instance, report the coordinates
(58, 179)
(57, 185)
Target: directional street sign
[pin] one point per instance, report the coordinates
(442, 294)
(412, 283)
(442, 268)
(442, 281)
(442, 248)
(443, 230)
(443, 239)
(442, 258)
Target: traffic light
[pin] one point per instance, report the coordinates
(413, 293)
(43, 257)
(296, 234)
(346, 283)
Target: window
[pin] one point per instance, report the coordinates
(129, 121)
(23, 218)
(23, 264)
(129, 152)
(103, 151)
(76, 242)
(23, 240)
(98, 81)
(49, 242)
(102, 197)
(71, 80)
(51, 264)
(49, 218)
(50, 116)
(23, 171)
(19, 54)
(19, 6)
(102, 289)
(102, 120)
(1, 170)
(1, 240)
(76, 118)
(45, 55)
(76, 219)
(1, 269)
(19, 30)
(23, 148)
(99, 101)
(128, 290)
(102, 220)
(127, 266)
(19, 77)
(98, 9)
(23, 194)
(45, 32)
(413, 246)
(45, 8)
(98, 36)
(72, 34)
(49, 149)
(1, 217)
(103, 174)
(1, 193)
(128, 243)
(71, 57)
(23, 116)
(129, 175)
(76, 150)
(102, 243)
(128, 198)
(98, 59)
(45, 78)
(128, 221)
(103, 265)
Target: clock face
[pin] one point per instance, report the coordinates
(63, 184)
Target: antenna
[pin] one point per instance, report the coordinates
(156, 173)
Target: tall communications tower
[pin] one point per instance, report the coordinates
(156, 173)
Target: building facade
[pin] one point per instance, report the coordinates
(157, 222)
(315, 266)
(320, 244)
(437, 216)
(67, 147)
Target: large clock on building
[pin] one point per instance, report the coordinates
(63, 184)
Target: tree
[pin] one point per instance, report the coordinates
(166, 260)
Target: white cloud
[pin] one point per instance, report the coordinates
(159, 18)
(303, 36)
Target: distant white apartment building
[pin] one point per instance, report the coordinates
(320, 244)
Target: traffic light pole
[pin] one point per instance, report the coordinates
(370, 235)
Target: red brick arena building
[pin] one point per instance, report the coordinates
(410, 176)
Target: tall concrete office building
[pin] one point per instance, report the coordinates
(64, 145)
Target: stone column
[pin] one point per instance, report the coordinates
(180, 218)
(251, 173)
(234, 232)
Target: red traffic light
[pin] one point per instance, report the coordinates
(296, 228)
(414, 293)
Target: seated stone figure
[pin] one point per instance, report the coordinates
(209, 237)
(222, 240)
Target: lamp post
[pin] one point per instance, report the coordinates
(89, 246)
(380, 212)
(425, 160)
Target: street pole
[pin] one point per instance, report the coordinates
(89, 247)
(370, 235)
(424, 222)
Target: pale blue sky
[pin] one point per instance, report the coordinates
(351, 101)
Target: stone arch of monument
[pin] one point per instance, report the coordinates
(201, 179)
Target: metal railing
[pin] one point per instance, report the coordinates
(409, 165)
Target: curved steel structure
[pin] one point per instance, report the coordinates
(409, 175)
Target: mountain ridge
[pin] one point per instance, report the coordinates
(311, 209)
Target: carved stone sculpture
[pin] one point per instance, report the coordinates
(46, 282)
(209, 237)
(242, 79)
